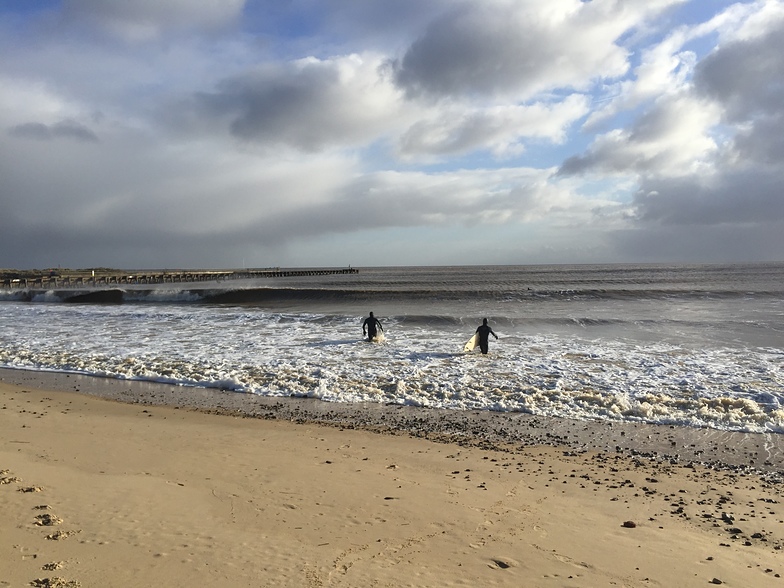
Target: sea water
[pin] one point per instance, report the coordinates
(697, 345)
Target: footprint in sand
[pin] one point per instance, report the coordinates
(55, 583)
(6, 478)
(58, 535)
(502, 564)
(47, 520)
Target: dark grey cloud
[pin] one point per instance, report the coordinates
(732, 216)
(598, 157)
(746, 76)
(700, 243)
(762, 142)
(45, 242)
(742, 197)
(276, 106)
(66, 129)
(470, 51)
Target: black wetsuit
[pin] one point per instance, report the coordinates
(484, 332)
(370, 324)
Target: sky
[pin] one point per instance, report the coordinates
(304, 133)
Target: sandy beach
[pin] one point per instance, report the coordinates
(162, 490)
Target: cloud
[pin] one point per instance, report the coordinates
(667, 67)
(741, 79)
(746, 76)
(738, 84)
(142, 20)
(163, 205)
(520, 48)
(672, 138)
(739, 197)
(459, 198)
(707, 152)
(763, 142)
(158, 132)
(702, 243)
(309, 104)
(502, 129)
(141, 202)
(65, 129)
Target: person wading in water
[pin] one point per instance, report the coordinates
(484, 331)
(370, 325)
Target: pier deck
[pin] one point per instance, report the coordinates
(116, 277)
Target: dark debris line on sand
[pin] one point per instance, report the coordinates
(722, 450)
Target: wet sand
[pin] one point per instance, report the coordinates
(175, 486)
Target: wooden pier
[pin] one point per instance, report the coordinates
(98, 279)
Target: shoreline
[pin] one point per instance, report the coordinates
(742, 452)
(117, 483)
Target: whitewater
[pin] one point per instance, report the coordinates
(691, 345)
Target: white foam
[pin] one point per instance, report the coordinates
(323, 356)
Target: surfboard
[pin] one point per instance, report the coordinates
(472, 343)
(379, 338)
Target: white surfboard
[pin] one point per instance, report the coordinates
(472, 343)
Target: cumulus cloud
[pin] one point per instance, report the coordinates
(744, 76)
(672, 138)
(732, 209)
(737, 84)
(308, 105)
(501, 129)
(173, 132)
(667, 67)
(520, 48)
(664, 69)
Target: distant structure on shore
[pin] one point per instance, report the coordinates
(109, 277)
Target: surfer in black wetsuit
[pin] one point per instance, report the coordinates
(370, 325)
(484, 331)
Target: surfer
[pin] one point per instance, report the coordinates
(370, 325)
(484, 331)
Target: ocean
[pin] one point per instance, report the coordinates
(689, 345)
